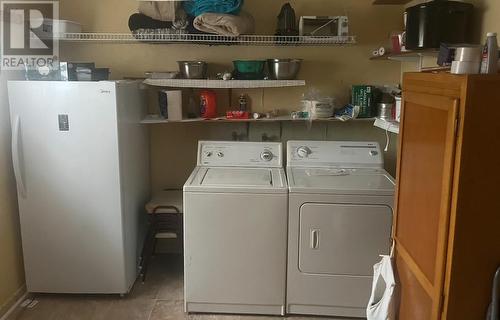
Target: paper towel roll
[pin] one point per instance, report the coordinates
(171, 104)
(465, 67)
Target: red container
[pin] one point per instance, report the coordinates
(237, 115)
(208, 104)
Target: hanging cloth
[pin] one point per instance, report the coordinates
(382, 305)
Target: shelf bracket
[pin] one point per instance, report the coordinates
(420, 62)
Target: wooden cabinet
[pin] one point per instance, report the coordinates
(447, 224)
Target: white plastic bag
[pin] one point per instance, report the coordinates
(382, 301)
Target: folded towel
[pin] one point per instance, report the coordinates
(197, 7)
(225, 24)
(160, 10)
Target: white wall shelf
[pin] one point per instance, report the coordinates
(409, 56)
(224, 84)
(390, 126)
(152, 119)
(208, 39)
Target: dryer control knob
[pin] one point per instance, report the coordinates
(267, 156)
(220, 154)
(374, 153)
(304, 152)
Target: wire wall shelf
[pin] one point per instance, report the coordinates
(209, 39)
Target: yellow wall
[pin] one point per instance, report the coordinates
(331, 69)
(488, 16)
(11, 268)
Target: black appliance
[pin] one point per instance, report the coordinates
(431, 23)
(287, 22)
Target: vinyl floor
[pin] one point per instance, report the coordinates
(159, 298)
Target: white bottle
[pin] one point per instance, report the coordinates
(489, 62)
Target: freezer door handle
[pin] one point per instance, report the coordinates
(16, 159)
(315, 239)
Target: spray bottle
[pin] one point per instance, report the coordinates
(489, 62)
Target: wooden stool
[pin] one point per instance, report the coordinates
(165, 222)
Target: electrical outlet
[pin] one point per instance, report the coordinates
(265, 132)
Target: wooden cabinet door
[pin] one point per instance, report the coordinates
(425, 172)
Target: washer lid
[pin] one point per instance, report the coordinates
(340, 181)
(230, 179)
(238, 177)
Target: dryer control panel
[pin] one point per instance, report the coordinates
(240, 154)
(341, 154)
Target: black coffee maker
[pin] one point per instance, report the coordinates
(287, 22)
(440, 21)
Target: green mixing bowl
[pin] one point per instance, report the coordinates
(249, 69)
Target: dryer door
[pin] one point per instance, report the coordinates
(340, 239)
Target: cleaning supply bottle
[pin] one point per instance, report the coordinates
(243, 101)
(489, 62)
(208, 104)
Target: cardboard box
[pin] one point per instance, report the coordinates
(170, 102)
(362, 96)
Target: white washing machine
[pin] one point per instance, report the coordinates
(235, 229)
(340, 221)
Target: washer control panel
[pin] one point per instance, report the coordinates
(240, 154)
(334, 154)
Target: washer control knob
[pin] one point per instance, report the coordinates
(220, 154)
(304, 152)
(208, 154)
(267, 156)
(374, 153)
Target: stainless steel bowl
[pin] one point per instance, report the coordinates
(193, 69)
(284, 69)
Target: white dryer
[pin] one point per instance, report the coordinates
(235, 229)
(340, 221)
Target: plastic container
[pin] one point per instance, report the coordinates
(489, 62)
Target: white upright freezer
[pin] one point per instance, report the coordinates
(81, 161)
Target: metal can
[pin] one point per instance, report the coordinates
(384, 111)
